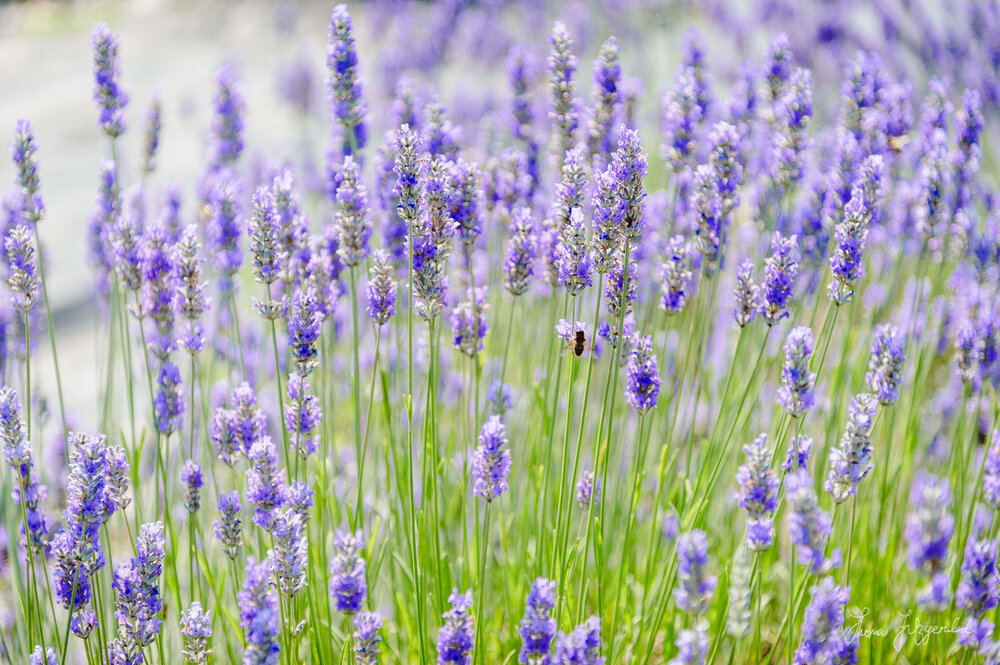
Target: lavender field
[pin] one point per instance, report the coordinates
(593, 333)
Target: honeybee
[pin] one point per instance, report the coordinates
(578, 343)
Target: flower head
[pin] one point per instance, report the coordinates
(491, 461)
(108, 93)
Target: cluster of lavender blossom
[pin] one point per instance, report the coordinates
(359, 517)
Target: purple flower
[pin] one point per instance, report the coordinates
(225, 227)
(747, 295)
(196, 628)
(47, 658)
(977, 588)
(169, 401)
(491, 461)
(464, 199)
(693, 57)
(607, 78)
(580, 647)
(138, 624)
(225, 435)
(780, 270)
(885, 367)
(575, 263)
(706, 201)
(343, 82)
(798, 453)
(522, 250)
(381, 289)
(538, 627)
(561, 66)
(304, 324)
(588, 488)
(22, 270)
(851, 461)
(821, 624)
(609, 213)
(259, 615)
(932, 177)
(289, 556)
(643, 383)
(620, 301)
(251, 423)
(264, 250)
(758, 494)
(681, 117)
(265, 487)
(117, 479)
(441, 137)
(809, 526)
(778, 65)
(851, 233)
(192, 478)
(407, 170)
(694, 585)
(796, 391)
(191, 300)
(127, 251)
(366, 637)
(468, 322)
(227, 123)
(159, 292)
(229, 526)
(302, 416)
(630, 167)
(348, 586)
(22, 152)
(675, 276)
(793, 111)
(692, 646)
(111, 99)
(152, 126)
(352, 221)
(726, 158)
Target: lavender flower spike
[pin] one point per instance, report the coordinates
(22, 152)
(643, 384)
(991, 472)
(468, 322)
(851, 461)
(821, 638)
(522, 250)
(575, 262)
(809, 526)
(227, 123)
(561, 65)
(630, 167)
(229, 526)
(455, 637)
(259, 615)
(196, 627)
(382, 288)
(747, 295)
(366, 637)
(491, 462)
(675, 276)
(538, 627)
(780, 270)
(796, 391)
(108, 94)
(758, 494)
(694, 585)
(343, 82)
(929, 527)
(607, 78)
(191, 476)
(352, 220)
(265, 252)
(348, 585)
(580, 647)
(23, 269)
(885, 368)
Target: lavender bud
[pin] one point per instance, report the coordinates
(796, 391)
(23, 269)
(22, 152)
(290, 554)
(196, 628)
(824, 617)
(630, 167)
(694, 585)
(851, 461)
(780, 270)
(265, 491)
(302, 416)
(491, 461)
(151, 135)
(561, 65)
(227, 123)
(809, 526)
(366, 637)
(643, 383)
(348, 586)
(381, 290)
(352, 220)
(675, 276)
(108, 94)
(758, 494)
(259, 615)
(747, 295)
(538, 627)
(681, 117)
(455, 637)
(609, 213)
(885, 368)
(522, 250)
(229, 526)
(607, 77)
(468, 322)
(263, 232)
(192, 478)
